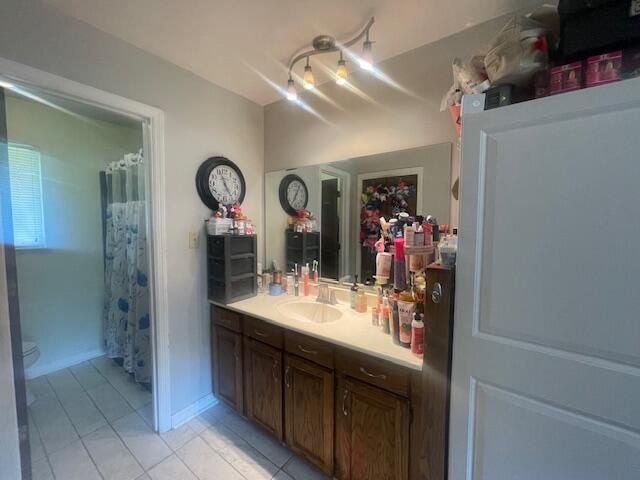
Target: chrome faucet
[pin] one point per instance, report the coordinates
(325, 295)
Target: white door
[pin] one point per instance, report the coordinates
(546, 351)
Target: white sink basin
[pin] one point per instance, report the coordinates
(310, 312)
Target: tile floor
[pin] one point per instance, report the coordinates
(92, 421)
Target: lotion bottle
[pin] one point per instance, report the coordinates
(305, 280)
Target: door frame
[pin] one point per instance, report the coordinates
(154, 149)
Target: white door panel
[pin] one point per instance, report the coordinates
(546, 354)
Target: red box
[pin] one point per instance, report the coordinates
(605, 68)
(565, 78)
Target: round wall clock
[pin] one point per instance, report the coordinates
(219, 181)
(293, 194)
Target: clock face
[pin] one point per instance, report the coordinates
(225, 184)
(297, 195)
(219, 181)
(293, 194)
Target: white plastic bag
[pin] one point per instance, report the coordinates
(518, 52)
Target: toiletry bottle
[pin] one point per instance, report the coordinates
(316, 276)
(417, 335)
(259, 278)
(394, 321)
(399, 265)
(296, 283)
(361, 301)
(374, 316)
(406, 310)
(354, 292)
(305, 280)
(384, 323)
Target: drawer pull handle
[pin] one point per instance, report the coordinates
(274, 370)
(306, 350)
(260, 333)
(381, 376)
(286, 377)
(345, 412)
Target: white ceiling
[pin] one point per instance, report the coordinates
(229, 41)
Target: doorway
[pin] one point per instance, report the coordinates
(330, 228)
(70, 208)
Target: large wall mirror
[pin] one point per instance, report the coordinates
(330, 212)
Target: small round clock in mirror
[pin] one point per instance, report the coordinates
(293, 194)
(219, 181)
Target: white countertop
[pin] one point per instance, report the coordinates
(353, 330)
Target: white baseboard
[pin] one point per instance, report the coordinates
(38, 369)
(193, 410)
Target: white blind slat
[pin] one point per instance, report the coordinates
(26, 196)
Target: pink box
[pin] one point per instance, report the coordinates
(565, 78)
(603, 68)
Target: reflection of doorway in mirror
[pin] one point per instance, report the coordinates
(334, 217)
(383, 194)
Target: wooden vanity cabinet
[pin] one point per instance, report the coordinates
(227, 366)
(309, 407)
(263, 385)
(372, 432)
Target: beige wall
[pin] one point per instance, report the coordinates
(73, 149)
(392, 121)
(201, 119)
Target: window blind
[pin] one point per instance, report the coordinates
(25, 177)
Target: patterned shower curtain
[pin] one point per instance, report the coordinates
(126, 305)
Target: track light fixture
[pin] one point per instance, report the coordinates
(342, 75)
(292, 95)
(327, 44)
(308, 82)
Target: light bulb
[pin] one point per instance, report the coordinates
(366, 60)
(342, 75)
(292, 95)
(308, 82)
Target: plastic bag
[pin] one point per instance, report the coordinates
(469, 76)
(518, 52)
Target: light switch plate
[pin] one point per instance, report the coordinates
(194, 240)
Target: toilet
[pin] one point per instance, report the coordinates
(30, 355)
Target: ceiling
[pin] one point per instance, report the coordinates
(241, 44)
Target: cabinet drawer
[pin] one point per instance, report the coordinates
(374, 371)
(226, 318)
(309, 348)
(262, 331)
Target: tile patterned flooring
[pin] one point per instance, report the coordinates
(92, 421)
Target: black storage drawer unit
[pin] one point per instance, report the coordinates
(302, 248)
(231, 267)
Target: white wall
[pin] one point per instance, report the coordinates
(66, 325)
(201, 120)
(393, 121)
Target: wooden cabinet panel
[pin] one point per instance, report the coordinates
(308, 347)
(308, 406)
(374, 371)
(263, 385)
(372, 433)
(226, 347)
(226, 318)
(263, 331)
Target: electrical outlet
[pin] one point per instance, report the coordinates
(194, 240)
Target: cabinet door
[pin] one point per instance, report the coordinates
(227, 366)
(372, 433)
(308, 407)
(263, 385)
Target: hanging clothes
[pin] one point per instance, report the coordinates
(127, 329)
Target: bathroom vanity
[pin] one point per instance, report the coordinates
(335, 389)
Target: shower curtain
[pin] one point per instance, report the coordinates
(126, 305)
